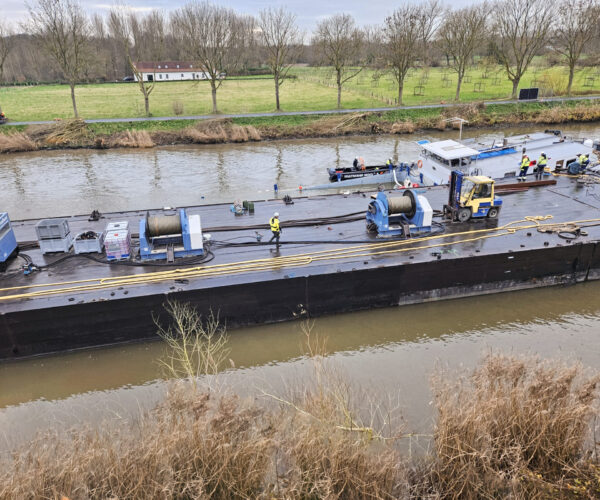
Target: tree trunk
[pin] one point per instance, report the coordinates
(515, 83)
(278, 108)
(213, 88)
(339, 87)
(72, 85)
(571, 74)
(400, 89)
(458, 84)
(147, 103)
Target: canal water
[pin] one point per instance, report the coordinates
(391, 353)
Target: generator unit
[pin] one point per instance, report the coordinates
(170, 236)
(403, 216)
(8, 241)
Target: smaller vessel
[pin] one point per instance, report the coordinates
(501, 160)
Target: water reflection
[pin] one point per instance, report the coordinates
(121, 179)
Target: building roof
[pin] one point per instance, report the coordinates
(166, 66)
(450, 150)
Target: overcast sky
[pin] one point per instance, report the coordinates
(308, 11)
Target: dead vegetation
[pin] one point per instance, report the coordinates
(131, 139)
(516, 428)
(16, 142)
(62, 133)
(75, 133)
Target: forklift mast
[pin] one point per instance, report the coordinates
(455, 187)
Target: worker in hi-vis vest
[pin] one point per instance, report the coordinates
(275, 228)
(524, 167)
(542, 163)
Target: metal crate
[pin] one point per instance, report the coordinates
(117, 226)
(91, 245)
(54, 245)
(47, 229)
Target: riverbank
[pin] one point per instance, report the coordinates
(148, 134)
(513, 426)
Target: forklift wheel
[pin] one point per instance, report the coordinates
(464, 214)
(493, 213)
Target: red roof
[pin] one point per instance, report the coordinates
(166, 67)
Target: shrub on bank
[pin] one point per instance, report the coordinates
(515, 427)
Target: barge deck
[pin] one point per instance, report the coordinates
(330, 266)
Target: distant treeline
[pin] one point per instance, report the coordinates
(61, 42)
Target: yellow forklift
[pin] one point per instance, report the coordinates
(471, 197)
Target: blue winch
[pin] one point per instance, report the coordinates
(404, 215)
(170, 236)
(8, 241)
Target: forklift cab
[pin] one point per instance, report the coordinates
(471, 196)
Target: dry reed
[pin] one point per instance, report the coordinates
(62, 133)
(514, 428)
(16, 142)
(404, 127)
(131, 139)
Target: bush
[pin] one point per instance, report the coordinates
(177, 108)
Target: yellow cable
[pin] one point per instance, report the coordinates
(281, 262)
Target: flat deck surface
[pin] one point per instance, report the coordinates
(78, 280)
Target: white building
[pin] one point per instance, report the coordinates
(169, 71)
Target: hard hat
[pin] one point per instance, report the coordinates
(276, 214)
(544, 154)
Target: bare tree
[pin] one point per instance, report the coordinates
(576, 24)
(63, 28)
(402, 35)
(430, 17)
(6, 45)
(213, 36)
(462, 32)
(280, 37)
(146, 37)
(339, 42)
(522, 28)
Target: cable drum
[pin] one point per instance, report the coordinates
(162, 225)
(405, 204)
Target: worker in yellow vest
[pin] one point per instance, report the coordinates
(525, 162)
(275, 228)
(583, 160)
(542, 164)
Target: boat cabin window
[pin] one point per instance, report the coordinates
(460, 162)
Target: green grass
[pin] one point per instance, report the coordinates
(435, 89)
(313, 90)
(125, 100)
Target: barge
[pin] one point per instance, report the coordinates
(437, 159)
(327, 263)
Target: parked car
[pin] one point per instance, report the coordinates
(128, 79)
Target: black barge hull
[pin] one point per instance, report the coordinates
(526, 259)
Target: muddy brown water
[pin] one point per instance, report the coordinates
(388, 352)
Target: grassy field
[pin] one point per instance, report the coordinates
(314, 89)
(436, 85)
(124, 100)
